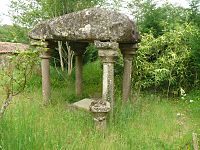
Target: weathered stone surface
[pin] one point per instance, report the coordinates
(99, 106)
(100, 109)
(88, 25)
(106, 45)
(41, 31)
(107, 50)
(83, 104)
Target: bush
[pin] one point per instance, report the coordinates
(167, 62)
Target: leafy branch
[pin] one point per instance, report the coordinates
(14, 75)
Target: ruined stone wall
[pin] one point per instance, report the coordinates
(4, 59)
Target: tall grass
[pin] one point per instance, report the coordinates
(150, 122)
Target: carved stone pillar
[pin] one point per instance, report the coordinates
(128, 51)
(79, 49)
(107, 52)
(45, 64)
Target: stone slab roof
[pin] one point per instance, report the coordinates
(88, 25)
(8, 47)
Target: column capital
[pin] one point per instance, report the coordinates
(107, 51)
(45, 53)
(106, 45)
(128, 50)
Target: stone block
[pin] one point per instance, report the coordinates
(83, 104)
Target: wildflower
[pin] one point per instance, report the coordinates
(191, 101)
(182, 92)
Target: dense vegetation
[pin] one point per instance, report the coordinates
(13, 33)
(168, 57)
(150, 121)
(164, 109)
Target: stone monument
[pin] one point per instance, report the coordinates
(109, 31)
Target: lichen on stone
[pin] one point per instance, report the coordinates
(88, 25)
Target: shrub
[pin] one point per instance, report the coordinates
(14, 75)
(167, 62)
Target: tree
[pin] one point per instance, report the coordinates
(28, 13)
(168, 56)
(195, 12)
(157, 19)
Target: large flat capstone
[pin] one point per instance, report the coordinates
(88, 25)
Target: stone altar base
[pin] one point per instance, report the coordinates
(83, 104)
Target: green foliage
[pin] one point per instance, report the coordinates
(194, 12)
(165, 61)
(13, 33)
(91, 54)
(168, 57)
(16, 71)
(29, 125)
(119, 64)
(155, 19)
(92, 79)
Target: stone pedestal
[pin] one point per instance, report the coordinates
(100, 110)
(128, 51)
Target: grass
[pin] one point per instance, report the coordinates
(149, 122)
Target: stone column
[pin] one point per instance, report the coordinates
(128, 51)
(46, 87)
(45, 64)
(107, 52)
(79, 73)
(79, 49)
